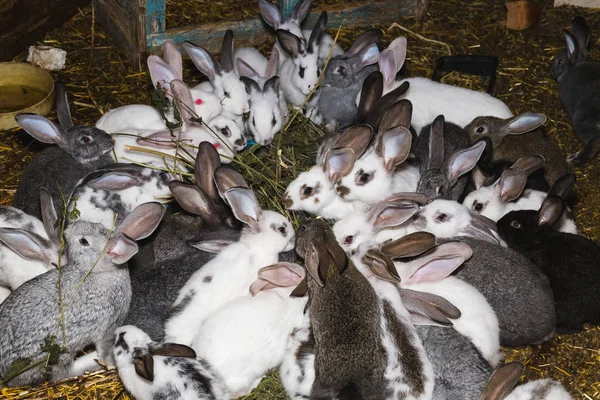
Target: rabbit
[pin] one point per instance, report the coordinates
(228, 275)
(167, 260)
(430, 99)
(300, 72)
(447, 219)
(503, 380)
(28, 246)
(388, 219)
(107, 195)
(568, 260)
(267, 316)
(94, 300)
(274, 18)
(151, 370)
(516, 137)
(344, 78)
(578, 85)
(508, 194)
(363, 343)
(80, 149)
(444, 159)
(297, 369)
(223, 80)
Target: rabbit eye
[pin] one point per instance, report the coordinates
(478, 207)
(348, 240)
(85, 139)
(442, 217)
(164, 176)
(274, 121)
(225, 132)
(282, 230)
(84, 242)
(340, 70)
(515, 224)
(227, 94)
(481, 129)
(559, 61)
(301, 72)
(308, 191)
(364, 178)
(253, 121)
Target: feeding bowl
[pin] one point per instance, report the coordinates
(23, 89)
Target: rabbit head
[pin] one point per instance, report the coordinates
(274, 18)
(265, 118)
(577, 41)
(227, 86)
(497, 128)
(305, 55)
(447, 218)
(227, 129)
(310, 191)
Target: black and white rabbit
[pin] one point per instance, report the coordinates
(579, 87)
(79, 149)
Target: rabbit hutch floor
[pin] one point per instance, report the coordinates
(99, 77)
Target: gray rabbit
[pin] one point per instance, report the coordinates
(344, 78)
(95, 290)
(79, 149)
(579, 87)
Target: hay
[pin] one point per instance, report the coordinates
(477, 27)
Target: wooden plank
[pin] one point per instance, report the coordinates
(254, 31)
(578, 3)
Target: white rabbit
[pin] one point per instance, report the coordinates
(448, 218)
(297, 370)
(28, 246)
(266, 316)
(151, 370)
(229, 275)
(430, 99)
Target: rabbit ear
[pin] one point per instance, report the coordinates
(478, 177)
(42, 129)
(273, 64)
(164, 138)
(191, 198)
(382, 106)
(207, 163)
(368, 38)
(203, 60)
(172, 56)
(244, 205)
(226, 178)
(528, 164)
(381, 266)
(24, 243)
(410, 245)
(510, 185)
(245, 69)
(63, 112)
(251, 85)
(212, 246)
(259, 285)
(502, 381)
(483, 228)
(389, 214)
(270, 13)
(399, 114)
(317, 33)
(368, 56)
(563, 187)
(524, 123)
(227, 52)
(271, 85)
(431, 306)
(580, 30)
(339, 163)
(393, 146)
(436, 264)
(120, 249)
(183, 96)
(142, 221)
(161, 73)
(387, 65)
(572, 47)
(357, 138)
(398, 46)
(115, 180)
(462, 161)
(300, 11)
(550, 211)
(144, 365)
(283, 274)
(301, 290)
(317, 261)
(436, 143)
(371, 92)
(49, 216)
(172, 349)
(290, 43)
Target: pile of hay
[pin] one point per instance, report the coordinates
(99, 77)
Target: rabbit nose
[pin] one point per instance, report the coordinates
(287, 202)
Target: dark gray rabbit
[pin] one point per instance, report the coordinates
(344, 78)
(571, 262)
(95, 301)
(579, 87)
(516, 137)
(444, 156)
(79, 149)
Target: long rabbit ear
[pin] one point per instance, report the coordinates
(387, 65)
(42, 129)
(270, 13)
(244, 205)
(161, 73)
(436, 144)
(580, 30)
(563, 187)
(172, 349)
(381, 266)
(283, 274)
(398, 114)
(183, 96)
(502, 381)
(372, 89)
(372, 36)
(49, 216)
(398, 46)
(272, 64)
(572, 47)
(26, 244)
(290, 43)
(63, 112)
(142, 221)
(483, 228)
(410, 245)
(207, 163)
(120, 249)
(431, 306)
(339, 163)
(436, 264)
(251, 85)
(393, 146)
(462, 161)
(317, 33)
(245, 69)
(300, 11)
(226, 178)
(316, 260)
(191, 198)
(357, 138)
(387, 214)
(227, 51)
(144, 365)
(523, 123)
(203, 60)
(172, 56)
(368, 56)
(383, 105)
(550, 211)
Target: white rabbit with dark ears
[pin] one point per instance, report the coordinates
(79, 149)
(151, 370)
(229, 275)
(95, 300)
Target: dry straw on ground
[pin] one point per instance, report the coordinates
(473, 27)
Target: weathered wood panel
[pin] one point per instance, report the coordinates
(578, 3)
